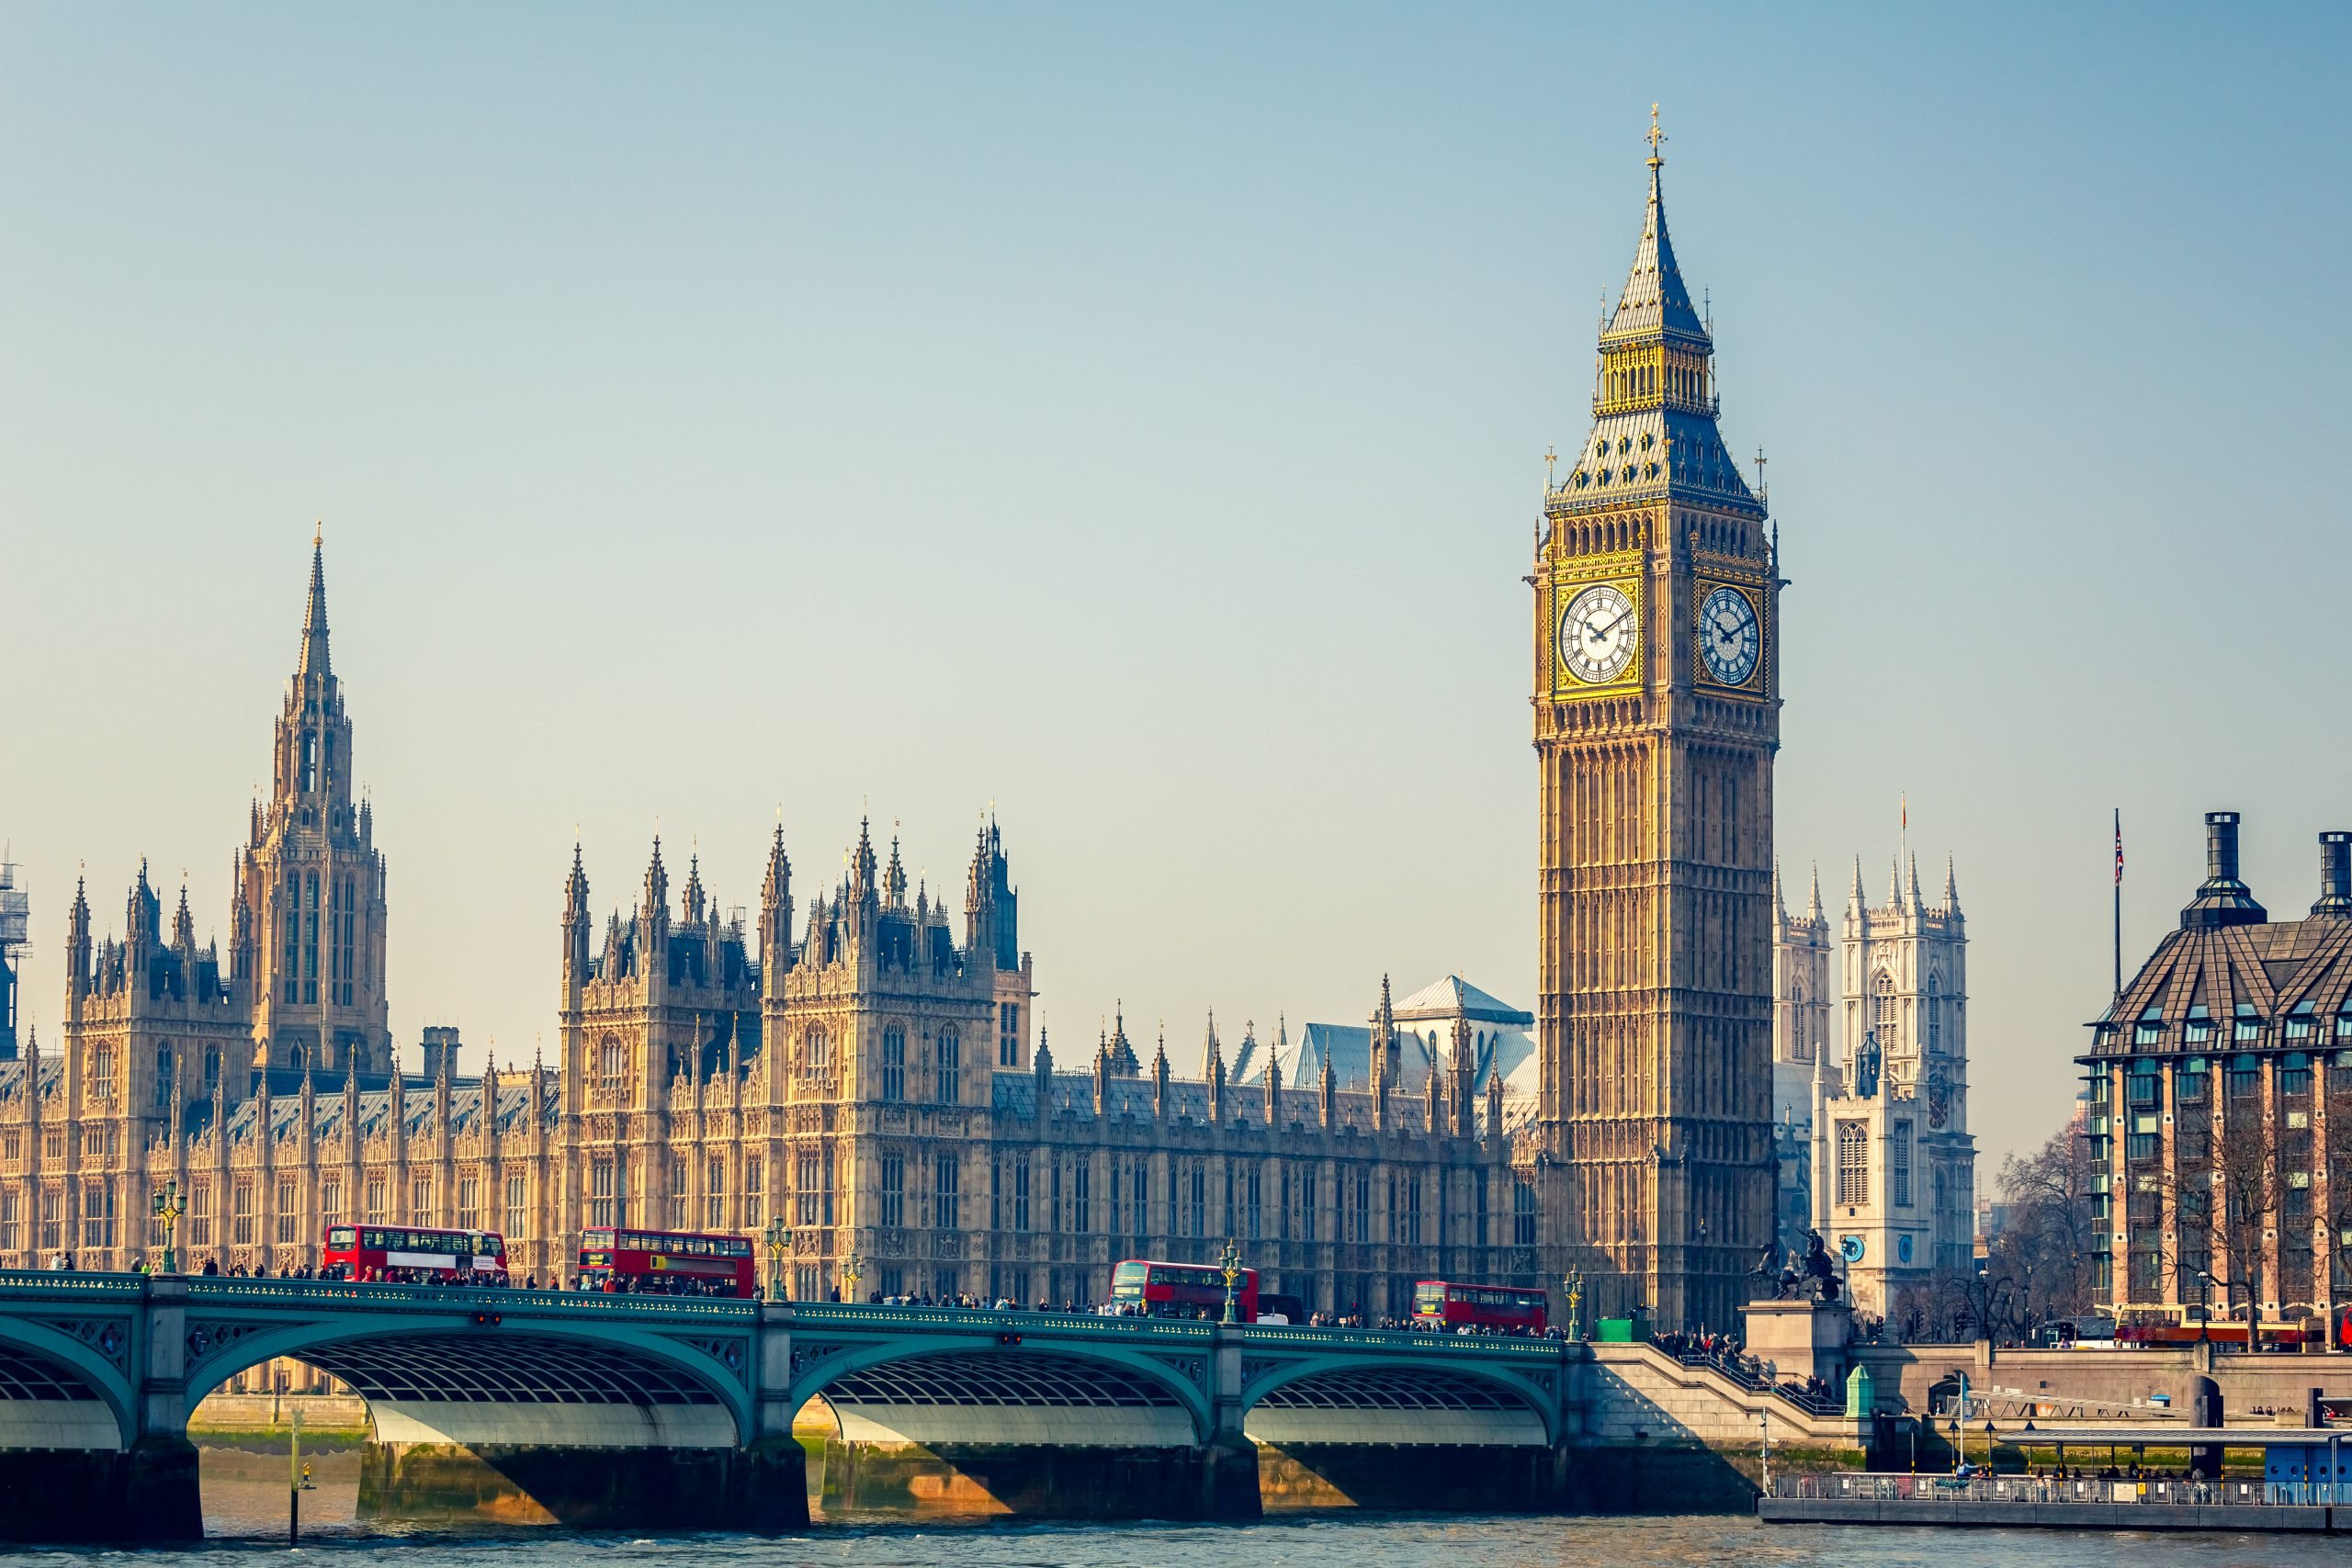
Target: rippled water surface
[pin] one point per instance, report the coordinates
(247, 1522)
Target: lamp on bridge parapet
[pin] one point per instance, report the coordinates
(1229, 1263)
(168, 1210)
(1573, 1295)
(852, 1272)
(778, 1237)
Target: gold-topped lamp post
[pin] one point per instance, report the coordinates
(778, 1237)
(168, 1209)
(1229, 1263)
(852, 1272)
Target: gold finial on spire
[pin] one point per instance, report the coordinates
(1656, 136)
(1550, 459)
(318, 533)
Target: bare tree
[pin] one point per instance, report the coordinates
(2337, 1151)
(2226, 1191)
(2045, 1249)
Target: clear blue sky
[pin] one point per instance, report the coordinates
(1134, 418)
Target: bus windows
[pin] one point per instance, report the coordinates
(664, 1263)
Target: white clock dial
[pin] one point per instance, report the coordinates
(1598, 634)
(1729, 639)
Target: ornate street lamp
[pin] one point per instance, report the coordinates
(852, 1271)
(1574, 1299)
(778, 1237)
(1229, 1263)
(168, 1210)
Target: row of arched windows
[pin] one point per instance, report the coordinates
(1886, 1013)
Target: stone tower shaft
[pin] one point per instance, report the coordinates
(1657, 718)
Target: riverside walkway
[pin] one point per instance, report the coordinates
(2302, 1490)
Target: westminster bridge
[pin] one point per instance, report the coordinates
(637, 1411)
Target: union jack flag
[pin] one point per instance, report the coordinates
(2118, 849)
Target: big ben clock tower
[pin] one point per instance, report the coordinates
(1656, 715)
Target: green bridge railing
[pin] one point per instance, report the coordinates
(226, 1290)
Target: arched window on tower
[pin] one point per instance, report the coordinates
(293, 905)
(612, 1066)
(1853, 1163)
(309, 773)
(1886, 1013)
(1801, 1043)
(949, 1063)
(311, 938)
(1932, 1026)
(813, 1048)
(164, 1074)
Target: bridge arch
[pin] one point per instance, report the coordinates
(1362, 1398)
(435, 1378)
(58, 1390)
(947, 1389)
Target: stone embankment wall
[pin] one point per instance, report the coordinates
(2120, 1378)
(243, 1413)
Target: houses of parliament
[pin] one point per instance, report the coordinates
(867, 1065)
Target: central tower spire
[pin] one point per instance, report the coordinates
(314, 615)
(314, 880)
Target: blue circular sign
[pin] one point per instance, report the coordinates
(1851, 1245)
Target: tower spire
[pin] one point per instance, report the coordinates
(1655, 300)
(314, 613)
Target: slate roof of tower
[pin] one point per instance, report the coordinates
(1642, 453)
(1655, 298)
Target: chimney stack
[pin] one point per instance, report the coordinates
(2224, 900)
(2221, 846)
(2335, 875)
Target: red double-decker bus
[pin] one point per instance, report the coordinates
(410, 1254)
(1504, 1307)
(1147, 1289)
(668, 1263)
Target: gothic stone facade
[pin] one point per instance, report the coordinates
(866, 1071)
(1871, 1083)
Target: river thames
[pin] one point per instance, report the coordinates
(248, 1520)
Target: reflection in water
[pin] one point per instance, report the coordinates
(245, 1497)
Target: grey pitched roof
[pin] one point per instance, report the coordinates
(52, 1076)
(512, 1111)
(1453, 995)
(1348, 1046)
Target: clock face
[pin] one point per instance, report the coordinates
(1729, 639)
(1598, 634)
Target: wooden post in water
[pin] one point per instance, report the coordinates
(294, 1481)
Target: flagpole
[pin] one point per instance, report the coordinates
(2119, 904)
